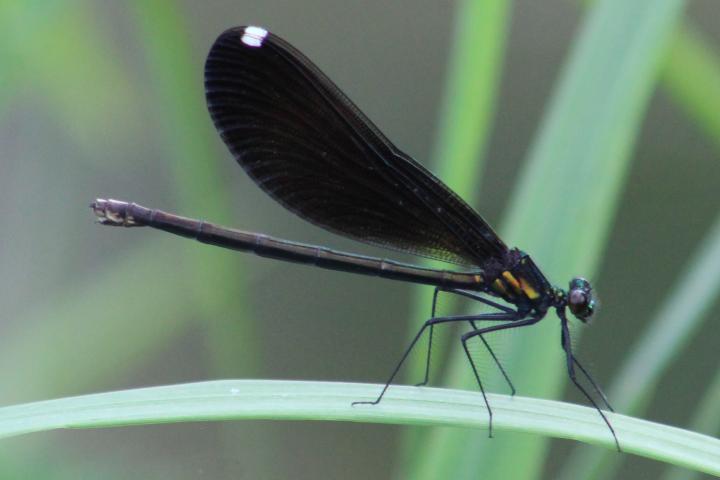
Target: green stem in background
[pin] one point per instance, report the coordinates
(564, 204)
(77, 336)
(284, 400)
(691, 74)
(59, 56)
(707, 420)
(678, 318)
(45, 66)
(88, 329)
(221, 293)
(182, 116)
(466, 117)
(198, 176)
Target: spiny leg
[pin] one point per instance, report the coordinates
(571, 362)
(595, 386)
(426, 379)
(477, 297)
(514, 323)
(397, 368)
(497, 360)
(502, 316)
(482, 389)
(480, 298)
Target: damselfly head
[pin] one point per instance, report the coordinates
(580, 299)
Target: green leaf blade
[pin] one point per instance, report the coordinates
(326, 401)
(567, 196)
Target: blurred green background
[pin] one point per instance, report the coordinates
(105, 99)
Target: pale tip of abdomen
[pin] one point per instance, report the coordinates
(112, 212)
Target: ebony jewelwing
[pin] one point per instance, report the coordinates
(310, 148)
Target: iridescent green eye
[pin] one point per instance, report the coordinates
(579, 283)
(591, 306)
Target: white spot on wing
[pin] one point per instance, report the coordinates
(254, 36)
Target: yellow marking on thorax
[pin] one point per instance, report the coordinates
(512, 281)
(500, 286)
(530, 292)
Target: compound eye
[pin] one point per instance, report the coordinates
(580, 301)
(577, 301)
(579, 283)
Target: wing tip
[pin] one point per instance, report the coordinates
(251, 36)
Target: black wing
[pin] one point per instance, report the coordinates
(309, 147)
